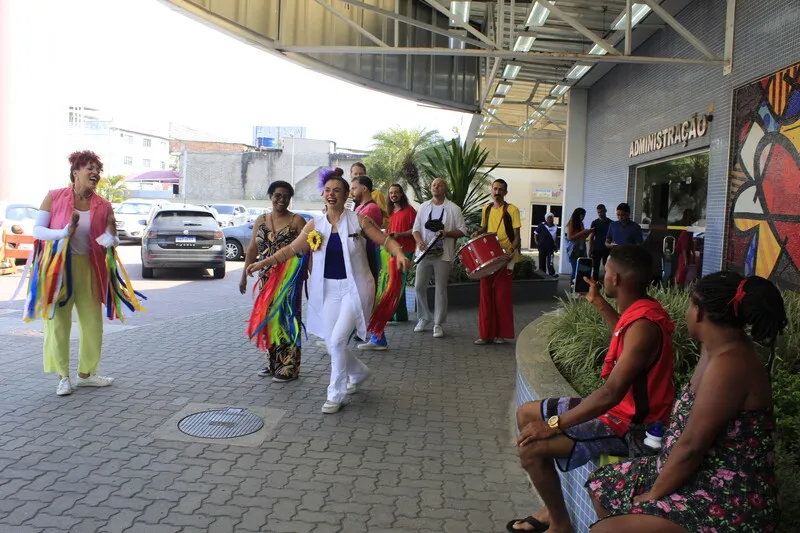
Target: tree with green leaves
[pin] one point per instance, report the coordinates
(396, 156)
(112, 188)
(460, 166)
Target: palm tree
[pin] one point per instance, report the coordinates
(112, 189)
(396, 155)
(460, 167)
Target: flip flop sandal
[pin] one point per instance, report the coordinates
(531, 521)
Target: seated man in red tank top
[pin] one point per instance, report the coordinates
(638, 390)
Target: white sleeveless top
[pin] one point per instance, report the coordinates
(356, 267)
(80, 242)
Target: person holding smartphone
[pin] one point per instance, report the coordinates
(637, 390)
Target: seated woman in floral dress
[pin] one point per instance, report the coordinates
(714, 473)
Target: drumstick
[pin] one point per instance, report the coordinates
(427, 248)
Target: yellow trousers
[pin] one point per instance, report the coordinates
(90, 324)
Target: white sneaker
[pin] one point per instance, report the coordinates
(499, 340)
(64, 387)
(481, 342)
(437, 331)
(422, 325)
(94, 381)
(352, 388)
(372, 345)
(330, 407)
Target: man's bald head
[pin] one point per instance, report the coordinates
(439, 188)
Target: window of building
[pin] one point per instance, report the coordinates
(127, 139)
(128, 160)
(673, 193)
(163, 165)
(146, 163)
(146, 143)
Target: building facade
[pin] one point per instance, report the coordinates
(694, 149)
(124, 151)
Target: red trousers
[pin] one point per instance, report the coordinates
(496, 318)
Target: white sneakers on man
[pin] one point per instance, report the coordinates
(64, 387)
(438, 333)
(422, 325)
(330, 407)
(94, 381)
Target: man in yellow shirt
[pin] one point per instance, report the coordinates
(496, 316)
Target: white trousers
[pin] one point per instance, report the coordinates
(339, 310)
(440, 270)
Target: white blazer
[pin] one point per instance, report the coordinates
(356, 266)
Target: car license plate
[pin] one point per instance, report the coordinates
(184, 240)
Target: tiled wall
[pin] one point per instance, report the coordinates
(632, 101)
(577, 499)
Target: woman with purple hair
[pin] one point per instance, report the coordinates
(341, 287)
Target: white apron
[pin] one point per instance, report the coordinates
(356, 267)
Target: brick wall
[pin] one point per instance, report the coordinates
(632, 101)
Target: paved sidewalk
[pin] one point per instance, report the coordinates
(425, 448)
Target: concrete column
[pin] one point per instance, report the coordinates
(574, 163)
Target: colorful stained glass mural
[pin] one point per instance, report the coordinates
(763, 227)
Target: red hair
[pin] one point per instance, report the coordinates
(78, 160)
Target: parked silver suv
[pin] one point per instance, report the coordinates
(183, 237)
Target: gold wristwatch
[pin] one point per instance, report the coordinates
(553, 423)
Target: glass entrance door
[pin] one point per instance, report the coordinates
(670, 202)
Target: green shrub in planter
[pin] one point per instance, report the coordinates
(578, 341)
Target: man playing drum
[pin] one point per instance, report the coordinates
(496, 316)
(438, 216)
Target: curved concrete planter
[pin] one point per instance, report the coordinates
(538, 378)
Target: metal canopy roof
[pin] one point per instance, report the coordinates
(511, 62)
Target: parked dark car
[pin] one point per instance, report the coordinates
(183, 237)
(237, 238)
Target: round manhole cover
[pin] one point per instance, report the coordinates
(221, 424)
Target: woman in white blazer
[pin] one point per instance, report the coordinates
(341, 289)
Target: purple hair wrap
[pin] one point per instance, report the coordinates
(324, 175)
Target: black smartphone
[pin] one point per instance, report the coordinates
(584, 270)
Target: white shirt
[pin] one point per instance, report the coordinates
(453, 219)
(79, 243)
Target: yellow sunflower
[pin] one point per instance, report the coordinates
(314, 240)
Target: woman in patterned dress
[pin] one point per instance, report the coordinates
(714, 473)
(271, 232)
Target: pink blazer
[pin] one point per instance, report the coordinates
(62, 207)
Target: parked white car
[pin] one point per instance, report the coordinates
(230, 214)
(134, 215)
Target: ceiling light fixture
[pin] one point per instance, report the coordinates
(497, 100)
(578, 71)
(510, 72)
(598, 50)
(538, 15)
(524, 44)
(638, 12)
(547, 103)
(559, 90)
(461, 12)
(503, 88)
(492, 111)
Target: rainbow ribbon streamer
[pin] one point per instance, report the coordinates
(120, 294)
(387, 296)
(275, 318)
(49, 279)
(50, 282)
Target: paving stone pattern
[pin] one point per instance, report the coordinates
(426, 447)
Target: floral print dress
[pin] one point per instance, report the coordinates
(284, 359)
(734, 488)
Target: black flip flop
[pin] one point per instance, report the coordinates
(531, 521)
